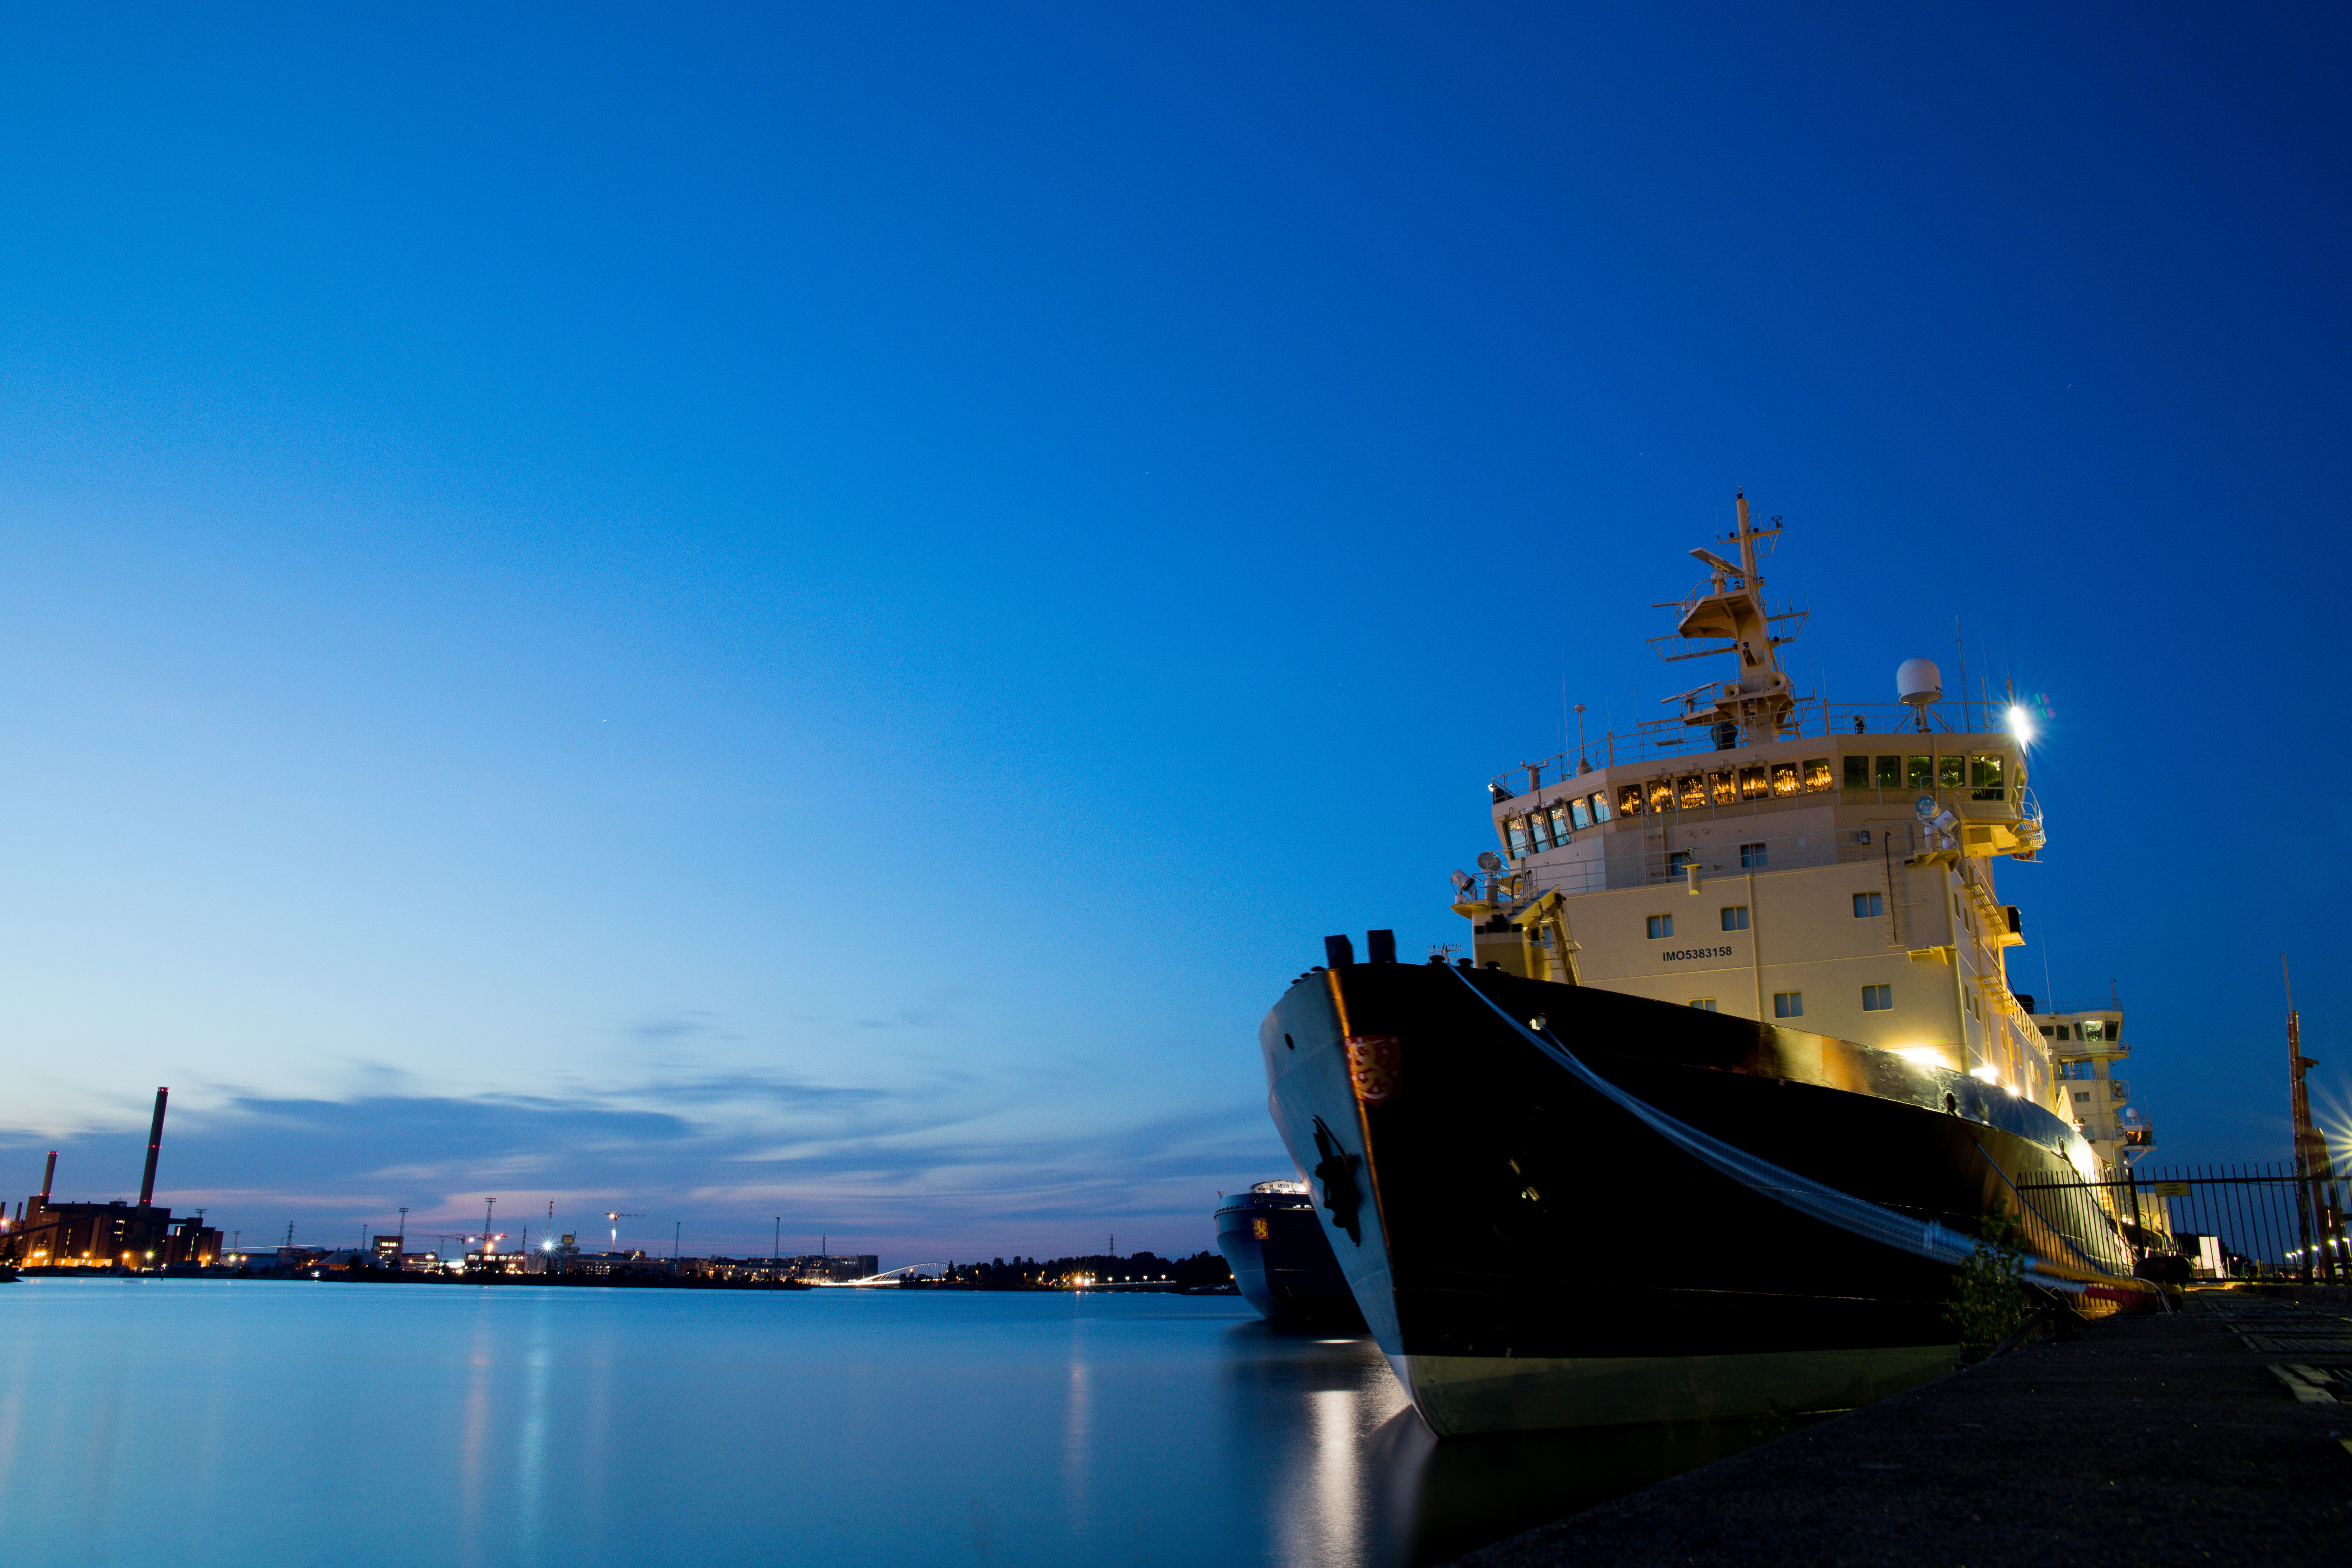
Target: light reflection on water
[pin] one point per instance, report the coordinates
(165, 1421)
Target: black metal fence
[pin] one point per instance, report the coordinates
(2267, 1221)
(2264, 1216)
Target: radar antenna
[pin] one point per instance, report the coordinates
(1729, 615)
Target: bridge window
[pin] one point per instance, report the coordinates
(1692, 790)
(1539, 828)
(1582, 811)
(1919, 773)
(1724, 785)
(1857, 772)
(1662, 796)
(1817, 772)
(1948, 773)
(1559, 821)
(1752, 783)
(1784, 778)
(1890, 772)
(1516, 828)
(1984, 777)
(1629, 800)
(1601, 812)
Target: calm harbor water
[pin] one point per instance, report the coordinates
(195, 1422)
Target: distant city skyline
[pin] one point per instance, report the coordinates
(811, 615)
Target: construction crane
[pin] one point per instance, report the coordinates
(615, 1216)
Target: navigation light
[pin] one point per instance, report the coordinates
(2021, 724)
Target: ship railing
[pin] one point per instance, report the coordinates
(1672, 739)
(2091, 1005)
(1666, 865)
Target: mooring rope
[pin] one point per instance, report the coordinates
(1817, 1200)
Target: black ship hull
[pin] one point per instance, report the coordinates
(1643, 1212)
(1283, 1264)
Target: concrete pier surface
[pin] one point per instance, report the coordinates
(2210, 1436)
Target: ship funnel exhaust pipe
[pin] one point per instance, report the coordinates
(48, 1176)
(155, 1147)
(1338, 952)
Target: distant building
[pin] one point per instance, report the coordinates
(107, 1235)
(831, 1266)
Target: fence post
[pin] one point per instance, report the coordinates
(2131, 1179)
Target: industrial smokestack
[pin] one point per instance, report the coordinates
(154, 1146)
(47, 1176)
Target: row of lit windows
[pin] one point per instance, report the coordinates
(1548, 826)
(1735, 916)
(1791, 1004)
(2089, 1029)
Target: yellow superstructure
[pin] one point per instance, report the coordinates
(1830, 867)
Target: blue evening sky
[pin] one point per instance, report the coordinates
(807, 612)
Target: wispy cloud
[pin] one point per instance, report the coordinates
(937, 1167)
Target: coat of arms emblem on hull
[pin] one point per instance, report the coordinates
(1375, 1066)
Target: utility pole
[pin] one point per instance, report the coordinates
(2310, 1161)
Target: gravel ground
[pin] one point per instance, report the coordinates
(2145, 1440)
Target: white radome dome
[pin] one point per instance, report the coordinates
(1918, 680)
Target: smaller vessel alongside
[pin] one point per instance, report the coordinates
(1282, 1260)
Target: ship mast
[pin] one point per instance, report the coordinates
(1731, 617)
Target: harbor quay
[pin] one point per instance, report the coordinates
(2217, 1432)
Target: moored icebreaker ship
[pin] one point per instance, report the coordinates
(1731, 1076)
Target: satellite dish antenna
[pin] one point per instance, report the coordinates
(1489, 861)
(1918, 682)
